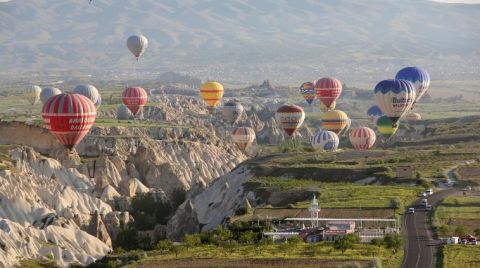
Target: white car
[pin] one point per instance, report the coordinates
(429, 192)
(422, 194)
(411, 210)
(428, 207)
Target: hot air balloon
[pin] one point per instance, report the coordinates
(324, 108)
(32, 94)
(123, 113)
(307, 90)
(362, 138)
(386, 127)
(49, 92)
(243, 137)
(290, 118)
(69, 117)
(211, 93)
(414, 117)
(419, 77)
(137, 45)
(374, 113)
(394, 97)
(232, 111)
(325, 140)
(334, 120)
(134, 98)
(88, 91)
(328, 90)
(99, 101)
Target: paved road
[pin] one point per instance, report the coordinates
(420, 247)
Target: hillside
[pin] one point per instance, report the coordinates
(367, 38)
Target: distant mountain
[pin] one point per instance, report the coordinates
(237, 38)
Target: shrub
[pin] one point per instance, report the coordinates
(247, 237)
(192, 240)
(346, 242)
(375, 263)
(377, 242)
(127, 238)
(461, 230)
(164, 246)
(393, 242)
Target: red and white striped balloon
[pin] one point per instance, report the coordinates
(69, 117)
(328, 90)
(134, 98)
(243, 137)
(362, 138)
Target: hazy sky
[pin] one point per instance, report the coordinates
(459, 1)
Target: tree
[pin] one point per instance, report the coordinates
(377, 242)
(477, 231)
(164, 246)
(346, 242)
(247, 237)
(192, 240)
(127, 238)
(393, 242)
(395, 203)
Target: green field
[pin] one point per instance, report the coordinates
(461, 256)
(320, 251)
(458, 211)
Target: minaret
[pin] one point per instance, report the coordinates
(314, 209)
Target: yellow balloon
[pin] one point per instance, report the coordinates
(335, 120)
(211, 93)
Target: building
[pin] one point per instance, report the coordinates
(337, 229)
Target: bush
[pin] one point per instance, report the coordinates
(192, 240)
(127, 239)
(164, 246)
(477, 232)
(247, 237)
(461, 230)
(377, 242)
(443, 229)
(393, 242)
(375, 263)
(346, 242)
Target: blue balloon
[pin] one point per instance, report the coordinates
(418, 76)
(374, 111)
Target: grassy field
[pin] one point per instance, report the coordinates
(458, 211)
(303, 251)
(461, 256)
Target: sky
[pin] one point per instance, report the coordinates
(459, 1)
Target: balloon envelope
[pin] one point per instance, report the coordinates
(232, 111)
(243, 137)
(307, 90)
(137, 45)
(211, 93)
(123, 113)
(325, 140)
(49, 92)
(134, 98)
(290, 118)
(394, 97)
(362, 138)
(32, 94)
(328, 90)
(334, 120)
(69, 117)
(88, 91)
(386, 127)
(414, 117)
(418, 76)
